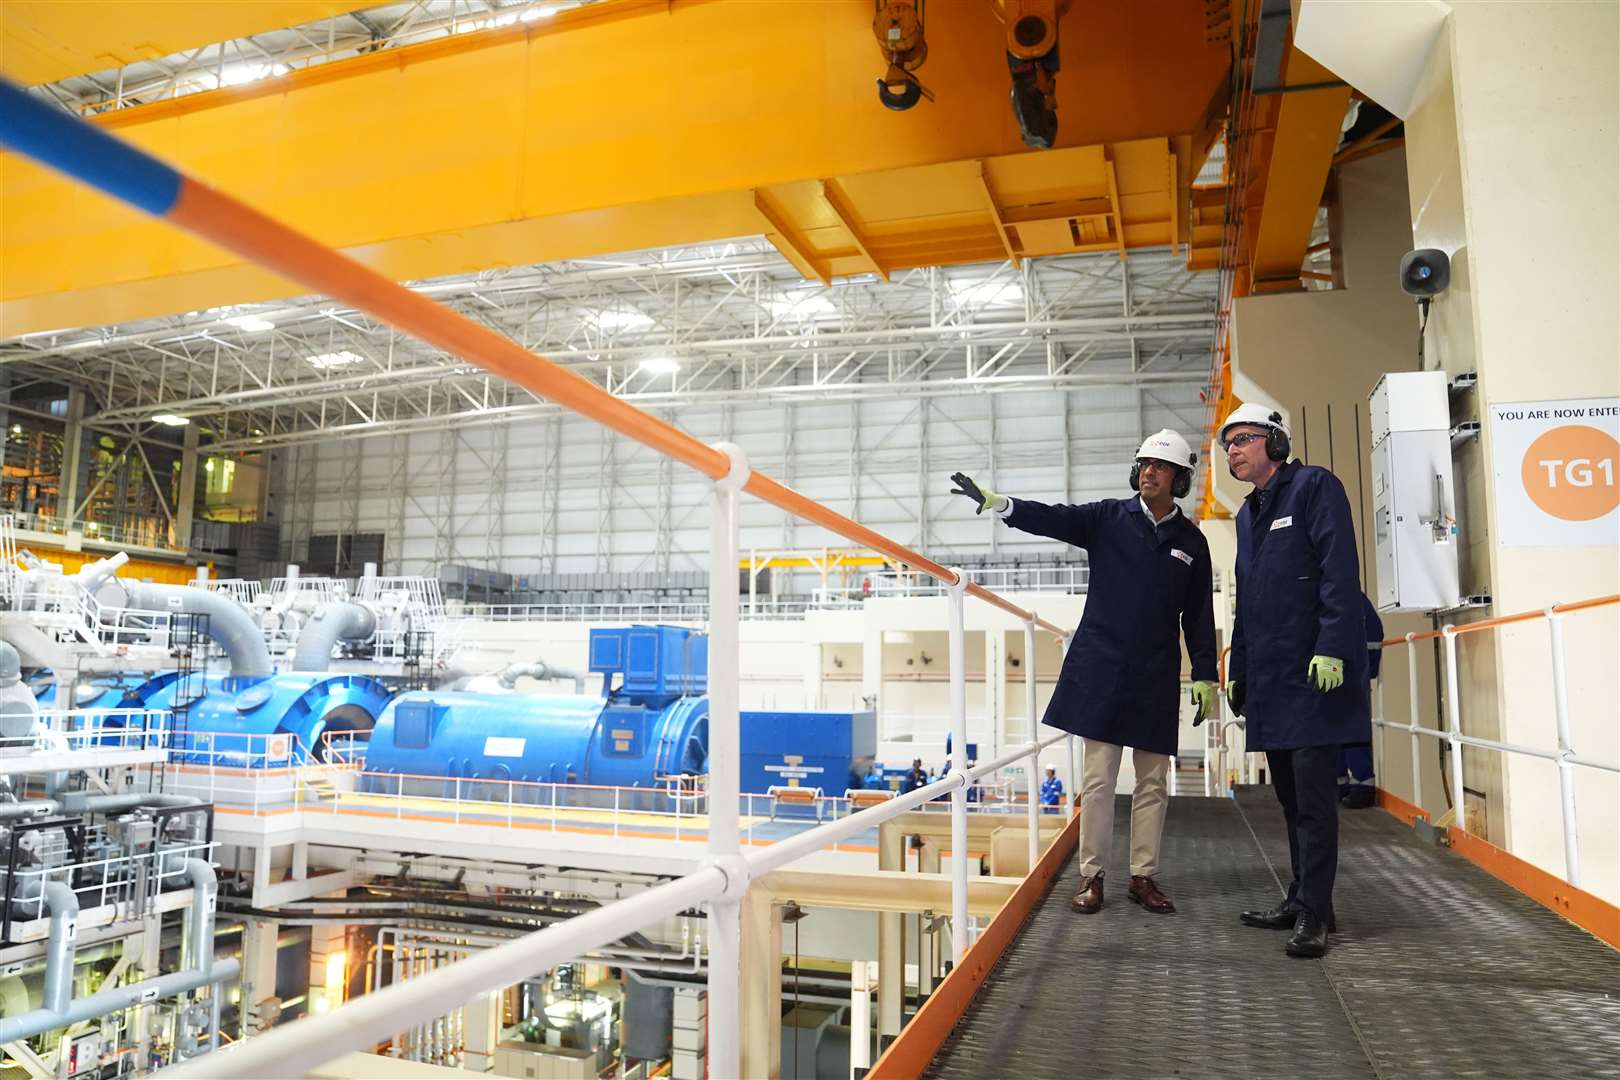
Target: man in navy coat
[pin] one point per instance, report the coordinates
(1298, 669)
(1120, 683)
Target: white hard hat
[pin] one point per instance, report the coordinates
(1253, 413)
(1166, 445)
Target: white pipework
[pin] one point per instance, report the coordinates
(725, 770)
(1033, 765)
(956, 592)
(60, 1010)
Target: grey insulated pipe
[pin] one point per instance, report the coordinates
(64, 908)
(538, 670)
(337, 621)
(204, 968)
(10, 664)
(228, 623)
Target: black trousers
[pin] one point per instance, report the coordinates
(1307, 784)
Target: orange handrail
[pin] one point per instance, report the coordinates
(1474, 627)
(1503, 620)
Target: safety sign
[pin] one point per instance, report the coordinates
(1555, 465)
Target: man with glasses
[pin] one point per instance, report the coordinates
(1119, 686)
(1298, 669)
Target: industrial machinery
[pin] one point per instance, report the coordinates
(87, 834)
(827, 750)
(264, 723)
(649, 727)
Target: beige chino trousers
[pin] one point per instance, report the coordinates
(1150, 800)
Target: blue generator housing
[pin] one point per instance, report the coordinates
(827, 750)
(651, 723)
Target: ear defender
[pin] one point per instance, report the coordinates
(1277, 447)
(1136, 476)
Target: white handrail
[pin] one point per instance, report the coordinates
(1564, 756)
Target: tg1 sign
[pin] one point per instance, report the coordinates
(1556, 466)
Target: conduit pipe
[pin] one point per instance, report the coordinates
(228, 624)
(339, 620)
(79, 803)
(59, 1011)
(34, 808)
(539, 670)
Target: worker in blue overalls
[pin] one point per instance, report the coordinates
(1120, 682)
(1299, 655)
(1051, 788)
(1357, 787)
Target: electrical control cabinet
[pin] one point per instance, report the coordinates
(1414, 500)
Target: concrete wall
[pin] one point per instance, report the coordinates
(1513, 164)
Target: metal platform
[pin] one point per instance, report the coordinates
(1438, 969)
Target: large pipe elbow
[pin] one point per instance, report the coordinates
(10, 664)
(229, 624)
(337, 621)
(539, 670)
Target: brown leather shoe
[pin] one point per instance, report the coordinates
(1145, 892)
(1090, 897)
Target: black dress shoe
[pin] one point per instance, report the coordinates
(1281, 917)
(1309, 938)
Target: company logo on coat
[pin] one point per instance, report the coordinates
(1282, 523)
(1182, 555)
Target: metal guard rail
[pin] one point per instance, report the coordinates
(33, 127)
(1564, 756)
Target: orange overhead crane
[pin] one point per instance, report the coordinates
(481, 151)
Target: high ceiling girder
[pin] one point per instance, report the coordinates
(736, 322)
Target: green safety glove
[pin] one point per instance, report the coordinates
(1203, 695)
(987, 499)
(1235, 697)
(1326, 672)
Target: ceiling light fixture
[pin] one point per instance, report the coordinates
(327, 361)
(169, 419)
(253, 324)
(617, 320)
(660, 365)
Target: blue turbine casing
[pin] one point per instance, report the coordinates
(539, 738)
(827, 750)
(653, 725)
(226, 725)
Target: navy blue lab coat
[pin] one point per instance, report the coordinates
(1121, 679)
(1299, 595)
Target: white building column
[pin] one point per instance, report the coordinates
(483, 1031)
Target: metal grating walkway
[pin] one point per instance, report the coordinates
(1439, 970)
